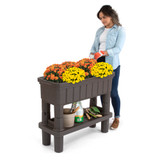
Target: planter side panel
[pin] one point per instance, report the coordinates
(62, 94)
(72, 93)
(77, 93)
(84, 90)
(49, 93)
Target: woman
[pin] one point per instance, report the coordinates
(110, 38)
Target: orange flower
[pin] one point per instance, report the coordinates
(68, 64)
(47, 70)
(59, 72)
(56, 78)
(52, 68)
(77, 65)
(86, 73)
(52, 76)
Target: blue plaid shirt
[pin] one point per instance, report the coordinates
(114, 44)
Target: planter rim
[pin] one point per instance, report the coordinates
(43, 80)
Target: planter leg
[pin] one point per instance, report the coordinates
(58, 126)
(58, 118)
(104, 126)
(93, 102)
(58, 143)
(105, 111)
(46, 138)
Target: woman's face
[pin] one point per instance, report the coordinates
(106, 20)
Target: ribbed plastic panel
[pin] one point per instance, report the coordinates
(65, 93)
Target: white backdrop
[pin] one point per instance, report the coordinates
(37, 33)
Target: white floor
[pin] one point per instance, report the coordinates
(35, 34)
(136, 138)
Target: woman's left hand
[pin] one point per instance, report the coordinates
(106, 53)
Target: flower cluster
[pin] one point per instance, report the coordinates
(74, 72)
(86, 64)
(54, 73)
(101, 69)
(73, 75)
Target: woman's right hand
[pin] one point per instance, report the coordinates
(91, 55)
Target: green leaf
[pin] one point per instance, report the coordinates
(95, 109)
(92, 115)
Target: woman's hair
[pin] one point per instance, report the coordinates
(108, 11)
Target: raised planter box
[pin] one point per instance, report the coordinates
(64, 93)
(60, 94)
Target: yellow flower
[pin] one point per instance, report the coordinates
(101, 69)
(73, 75)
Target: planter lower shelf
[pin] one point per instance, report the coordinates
(77, 126)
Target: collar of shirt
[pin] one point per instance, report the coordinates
(114, 26)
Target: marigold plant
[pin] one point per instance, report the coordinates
(73, 75)
(101, 69)
(54, 73)
(86, 64)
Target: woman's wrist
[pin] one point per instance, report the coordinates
(106, 53)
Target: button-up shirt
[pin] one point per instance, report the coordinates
(114, 44)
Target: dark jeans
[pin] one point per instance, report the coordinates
(114, 93)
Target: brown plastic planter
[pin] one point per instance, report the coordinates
(60, 94)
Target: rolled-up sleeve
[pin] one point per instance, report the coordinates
(119, 43)
(93, 48)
